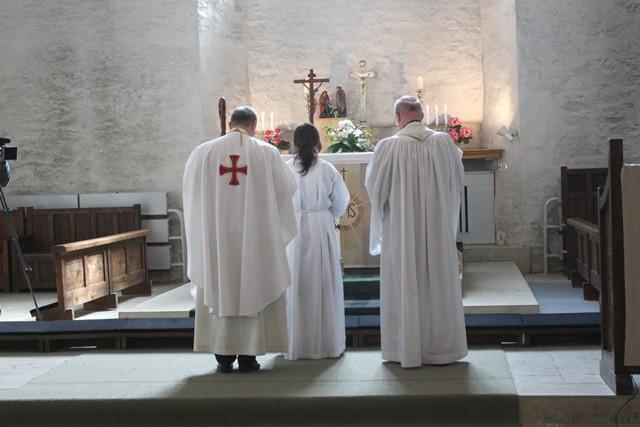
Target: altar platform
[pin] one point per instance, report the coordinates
(488, 287)
(497, 386)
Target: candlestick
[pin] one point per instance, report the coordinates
(427, 111)
(436, 116)
(420, 83)
(446, 120)
(271, 121)
(262, 122)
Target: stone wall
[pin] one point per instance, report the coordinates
(99, 95)
(500, 76)
(579, 85)
(400, 40)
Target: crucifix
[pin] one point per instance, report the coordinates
(309, 84)
(363, 75)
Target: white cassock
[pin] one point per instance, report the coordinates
(239, 218)
(414, 182)
(316, 298)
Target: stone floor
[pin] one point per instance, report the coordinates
(544, 386)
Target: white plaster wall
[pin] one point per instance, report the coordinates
(99, 95)
(400, 40)
(500, 76)
(579, 85)
(222, 36)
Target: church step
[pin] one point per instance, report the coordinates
(361, 286)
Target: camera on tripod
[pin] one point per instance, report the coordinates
(7, 153)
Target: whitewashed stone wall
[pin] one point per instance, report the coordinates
(222, 31)
(439, 40)
(500, 76)
(99, 95)
(579, 85)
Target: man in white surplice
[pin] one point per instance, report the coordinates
(239, 218)
(414, 182)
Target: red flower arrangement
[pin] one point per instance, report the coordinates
(457, 132)
(274, 137)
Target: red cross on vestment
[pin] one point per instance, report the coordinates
(234, 170)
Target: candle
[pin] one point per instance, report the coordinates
(427, 113)
(436, 115)
(262, 121)
(446, 120)
(271, 121)
(420, 83)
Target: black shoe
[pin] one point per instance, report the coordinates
(249, 367)
(225, 368)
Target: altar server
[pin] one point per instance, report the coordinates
(316, 298)
(239, 218)
(414, 180)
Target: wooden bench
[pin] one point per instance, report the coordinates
(587, 257)
(45, 228)
(18, 216)
(579, 203)
(93, 272)
(613, 279)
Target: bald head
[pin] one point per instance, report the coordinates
(245, 118)
(407, 109)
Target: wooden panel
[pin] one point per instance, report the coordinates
(74, 274)
(5, 275)
(118, 262)
(152, 202)
(95, 267)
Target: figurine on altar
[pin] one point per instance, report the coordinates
(341, 102)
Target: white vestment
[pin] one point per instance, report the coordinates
(238, 206)
(316, 298)
(414, 181)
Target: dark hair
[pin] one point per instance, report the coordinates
(306, 138)
(244, 116)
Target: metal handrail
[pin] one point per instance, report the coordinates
(546, 227)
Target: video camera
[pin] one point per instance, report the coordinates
(7, 153)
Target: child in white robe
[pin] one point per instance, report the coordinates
(316, 299)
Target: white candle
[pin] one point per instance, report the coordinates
(436, 115)
(446, 120)
(271, 121)
(420, 83)
(427, 108)
(262, 121)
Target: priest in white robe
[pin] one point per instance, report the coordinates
(239, 218)
(414, 181)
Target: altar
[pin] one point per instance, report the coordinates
(477, 214)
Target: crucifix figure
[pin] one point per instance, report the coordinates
(309, 85)
(363, 75)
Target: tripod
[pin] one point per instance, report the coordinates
(26, 269)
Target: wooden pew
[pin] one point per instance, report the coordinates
(587, 257)
(18, 216)
(45, 228)
(92, 272)
(613, 369)
(580, 202)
